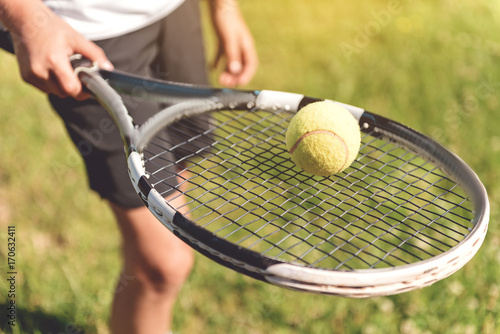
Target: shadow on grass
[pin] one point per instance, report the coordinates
(37, 322)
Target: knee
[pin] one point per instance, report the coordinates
(165, 276)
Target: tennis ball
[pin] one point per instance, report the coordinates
(323, 138)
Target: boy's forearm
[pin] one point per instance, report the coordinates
(24, 17)
(224, 5)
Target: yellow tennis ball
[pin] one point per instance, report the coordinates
(323, 138)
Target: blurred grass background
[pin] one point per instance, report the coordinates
(433, 65)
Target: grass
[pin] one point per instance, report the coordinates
(431, 65)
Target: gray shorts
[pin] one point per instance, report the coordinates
(171, 49)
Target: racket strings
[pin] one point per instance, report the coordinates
(391, 207)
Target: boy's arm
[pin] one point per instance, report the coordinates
(236, 43)
(43, 43)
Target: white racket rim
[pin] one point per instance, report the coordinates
(360, 283)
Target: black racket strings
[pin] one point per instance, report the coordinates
(391, 207)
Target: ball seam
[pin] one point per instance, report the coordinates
(331, 133)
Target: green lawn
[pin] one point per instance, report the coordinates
(431, 65)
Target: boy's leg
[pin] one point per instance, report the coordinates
(159, 260)
(157, 263)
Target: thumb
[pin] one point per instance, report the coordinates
(235, 66)
(68, 81)
(233, 58)
(94, 53)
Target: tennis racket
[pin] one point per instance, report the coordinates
(406, 214)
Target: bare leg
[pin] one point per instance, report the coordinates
(156, 264)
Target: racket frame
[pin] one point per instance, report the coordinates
(356, 283)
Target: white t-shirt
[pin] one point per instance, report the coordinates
(102, 19)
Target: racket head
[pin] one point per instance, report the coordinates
(406, 214)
